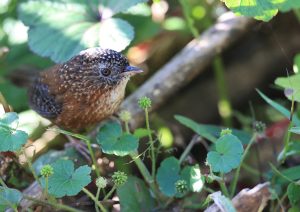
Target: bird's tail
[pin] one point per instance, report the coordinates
(23, 77)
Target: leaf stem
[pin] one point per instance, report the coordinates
(224, 105)
(49, 203)
(46, 187)
(237, 172)
(88, 143)
(110, 192)
(153, 159)
(97, 197)
(94, 199)
(31, 168)
(223, 186)
(187, 150)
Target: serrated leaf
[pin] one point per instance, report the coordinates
(66, 181)
(168, 175)
(228, 154)
(291, 83)
(223, 203)
(192, 175)
(111, 7)
(211, 132)
(293, 192)
(9, 198)
(285, 112)
(61, 29)
(135, 196)
(113, 141)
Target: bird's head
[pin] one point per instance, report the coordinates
(103, 66)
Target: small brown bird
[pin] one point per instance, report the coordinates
(84, 90)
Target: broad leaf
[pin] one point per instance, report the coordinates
(228, 154)
(296, 66)
(66, 181)
(263, 10)
(11, 138)
(113, 141)
(168, 175)
(292, 173)
(9, 198)
(259, 9)
(291, 84)
(192, 175)
(135, 196)
(293, 191)
(141, 132)
(61, 29)
(111, 7)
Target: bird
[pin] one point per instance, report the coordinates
(83, 91)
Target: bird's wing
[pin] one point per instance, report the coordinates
(43, 102)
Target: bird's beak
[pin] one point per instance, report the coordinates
(132, 70)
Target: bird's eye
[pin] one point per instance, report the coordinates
(105, 72)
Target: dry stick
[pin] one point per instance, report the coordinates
(185, 66)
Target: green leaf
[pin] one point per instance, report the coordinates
(222, 202)
(296, 66)
(67, 182)
(259, 9)
(292, 173)
(295, 130)
(192, 175)
(11, 138)
(135, 196)
(113, 141)
(111, 7)
(293, 191)
(211, 132)
(61, 29)
(167, 176)
(292, 84)
(10, 119)
(9, 198)
(287, 5)
(293, 148)
(228, 154)
(141, 132)
(54, 155)
(285, 112)
(263, 10)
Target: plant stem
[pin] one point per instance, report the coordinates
(223, 186)
(88, 143)
(54, 205)
(97, 197)
(224, 105)
(94, 199)
(31, 168)
(46, 188)
(153, 159)
(190, 21)
(3, 183)
(297, 14)
(146, 175)
(251, 170)
(237, 172)
(110, 192)
(127, 127)
(187, 150)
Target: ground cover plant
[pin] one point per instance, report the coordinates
(135, 163)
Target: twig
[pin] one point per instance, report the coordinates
(187, 64)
